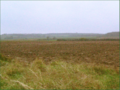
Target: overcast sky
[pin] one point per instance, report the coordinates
(59, 16)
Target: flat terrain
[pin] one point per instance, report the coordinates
(59, 65)
(106, 52)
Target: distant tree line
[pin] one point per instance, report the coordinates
(86, 39)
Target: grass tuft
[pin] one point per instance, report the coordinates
(39, 64)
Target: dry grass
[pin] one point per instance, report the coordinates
(60, 65)
(58, 75)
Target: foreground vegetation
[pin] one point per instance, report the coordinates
(59, 65)
(57, 75)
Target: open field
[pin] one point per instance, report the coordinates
(59, 65)
(106, 52)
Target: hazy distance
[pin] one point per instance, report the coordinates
(27, 17)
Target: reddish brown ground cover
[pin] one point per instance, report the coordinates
(105, 52)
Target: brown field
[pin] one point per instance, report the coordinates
(59, 65)
(103, 52)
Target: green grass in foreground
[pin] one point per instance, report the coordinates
(57, 75)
